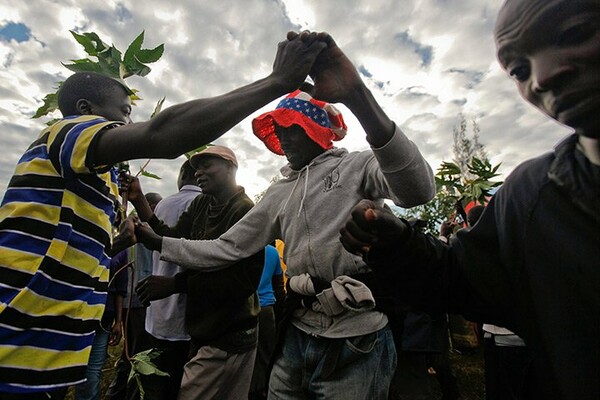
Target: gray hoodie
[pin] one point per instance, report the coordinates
(306, 209)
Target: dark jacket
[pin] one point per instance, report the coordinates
(530, 264)
(222, 306)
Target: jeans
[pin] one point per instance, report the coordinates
(90, 390)
(352, 368)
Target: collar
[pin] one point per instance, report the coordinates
(574, 174)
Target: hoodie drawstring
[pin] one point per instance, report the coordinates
(294, 188)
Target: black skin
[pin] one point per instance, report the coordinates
(216, 177)
(298, 147)
(371, 226)
(189, 125)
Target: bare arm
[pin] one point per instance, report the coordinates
(189, 125)
(337, 80)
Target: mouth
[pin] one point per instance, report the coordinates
(575, 105)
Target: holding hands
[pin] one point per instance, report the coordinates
(155, 287)
(370, 226)
(333, 73)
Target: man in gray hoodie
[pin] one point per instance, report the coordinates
(337, 345)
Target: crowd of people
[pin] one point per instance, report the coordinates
(207, 288)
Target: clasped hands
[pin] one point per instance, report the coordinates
(370, 226)
(316, 54)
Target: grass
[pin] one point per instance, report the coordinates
(108, 372)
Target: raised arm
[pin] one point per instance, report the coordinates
(337, 81)
(189, 125)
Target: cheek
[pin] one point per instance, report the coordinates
(527, 94)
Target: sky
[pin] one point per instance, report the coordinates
(425, 61)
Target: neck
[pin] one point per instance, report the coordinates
(591, 149)
(224, 195)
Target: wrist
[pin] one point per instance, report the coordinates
(279, 84)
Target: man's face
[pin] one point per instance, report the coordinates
(213, 173)
(299, 149)
(551, 48)
(116, 107)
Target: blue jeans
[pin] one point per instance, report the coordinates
(90, 390)
(310, 367)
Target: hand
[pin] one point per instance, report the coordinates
(115, 334)
(334, 75)
(147, 236)
(127, 230)
(370, 226)
(155, 287)
(131, 185)
(294, 61)
(447, 228)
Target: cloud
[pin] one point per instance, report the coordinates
(425, 61)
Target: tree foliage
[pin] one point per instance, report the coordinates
(468, 178)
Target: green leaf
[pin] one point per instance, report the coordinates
(149, 175)
(158, 107)
(86, 42)
(150, 55)
(189, 154)
(139, 69)
(108, 68)
(100, 45)
(50, 105)
(141, 363)
(134, 47)
(88, 66)
(448, 168)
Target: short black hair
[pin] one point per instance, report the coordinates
(91, 86)
(187, 170)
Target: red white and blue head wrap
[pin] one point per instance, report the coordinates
(321, 121)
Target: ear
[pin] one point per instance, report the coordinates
(84, 107)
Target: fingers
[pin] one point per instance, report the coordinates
(358, 235)
(143, 291)
(352, 244)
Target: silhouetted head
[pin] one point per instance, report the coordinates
(88, 93)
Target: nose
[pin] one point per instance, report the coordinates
(197, 173)
(550, 70)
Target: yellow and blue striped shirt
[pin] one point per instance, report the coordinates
(55, 222)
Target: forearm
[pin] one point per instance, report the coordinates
(120, 243)
(163, 229)
(187, 126)
(118, 309)
(247, 237)
(377, 125)
(142, 207)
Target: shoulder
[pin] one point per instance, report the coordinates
(528, 176)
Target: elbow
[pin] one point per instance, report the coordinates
(418, 197)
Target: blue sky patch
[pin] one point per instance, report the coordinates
(18, 31)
